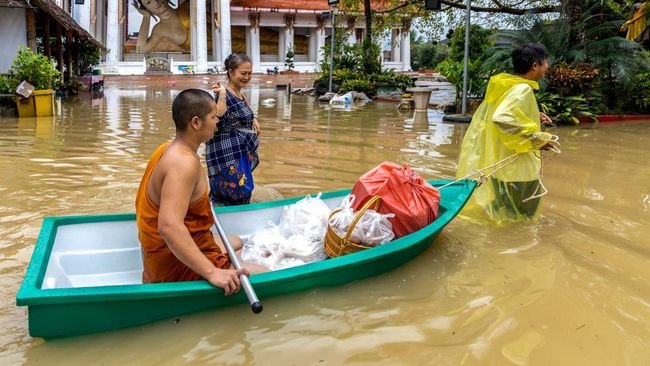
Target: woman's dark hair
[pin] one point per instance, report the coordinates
(190, 103)
(234, 61)
(524, 56)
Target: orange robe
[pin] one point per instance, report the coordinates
(160, 264)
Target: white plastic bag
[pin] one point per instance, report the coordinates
(376, 228)
(296, 240)
(341, 220)
(372, 229)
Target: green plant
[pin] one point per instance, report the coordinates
(390, 77)
(5, 85)
(566, 110)
(343, 75)
(359, 85)
(72, 87)
(288, 61)
(571, 79)
(423, 56)
(38, 70)
(480, 40)
(89, 56)
(640, 93)
(346, 61)
(370, 57)
(477, 77)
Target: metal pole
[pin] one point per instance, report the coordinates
(332, 50)
(466, 60)
(256, 304)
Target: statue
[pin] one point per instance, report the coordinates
(636, 26)
(170, 34)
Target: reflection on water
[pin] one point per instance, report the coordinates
(571, 289)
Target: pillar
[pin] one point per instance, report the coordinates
(406, 46)
(200, 35)
(286, 36)
(215, 25)
(225, 35)
(395, 43)
(320, 40)
(253, 40)
(81, 14)
(112, 37)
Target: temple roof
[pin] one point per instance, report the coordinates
(283, 4)
(280, 5)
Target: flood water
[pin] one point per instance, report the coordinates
(572, 289)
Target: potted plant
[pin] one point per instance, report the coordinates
(288, 62)
(39, 71)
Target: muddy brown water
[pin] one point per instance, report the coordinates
(571, 289)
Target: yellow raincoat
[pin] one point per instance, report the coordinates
(506, 123)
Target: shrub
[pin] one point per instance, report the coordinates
(640, 93)
(5, 85)
(566, 110)
(359, 85)
(571, 79)
(38, 70)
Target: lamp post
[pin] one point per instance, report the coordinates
(466, 59)
(333, 4)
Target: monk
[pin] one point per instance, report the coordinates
(173, 211)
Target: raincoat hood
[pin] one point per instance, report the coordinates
(499, 84)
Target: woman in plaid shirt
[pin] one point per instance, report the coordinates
(231, 155)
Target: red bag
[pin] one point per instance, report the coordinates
(403, 192)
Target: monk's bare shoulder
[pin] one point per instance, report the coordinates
(178, 168)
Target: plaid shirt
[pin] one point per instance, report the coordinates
(234, 137)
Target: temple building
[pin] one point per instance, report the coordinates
(159, 36)
(180, 36)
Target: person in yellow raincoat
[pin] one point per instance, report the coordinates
(508, 124)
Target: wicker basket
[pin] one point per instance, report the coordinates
(335, 245)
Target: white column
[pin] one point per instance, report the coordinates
(226, 38)
(253, 46)
(201, 44)
(112, 38)
(320, 43)
(288, 41)
(282, 45)
(313, 51)
(214, 25)
(406, 50)
(395, 40)
(81, 14)
(192, 30)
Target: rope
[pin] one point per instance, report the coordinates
(553, 146)
(481, 172)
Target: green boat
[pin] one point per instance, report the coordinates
(85, 272)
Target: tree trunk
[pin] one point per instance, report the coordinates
(573, 12)
(367, 10)
(68, 56)
(46, 36)
(59, 48)
(31, 29)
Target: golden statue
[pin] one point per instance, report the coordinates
(171, 33)
(636, 26)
